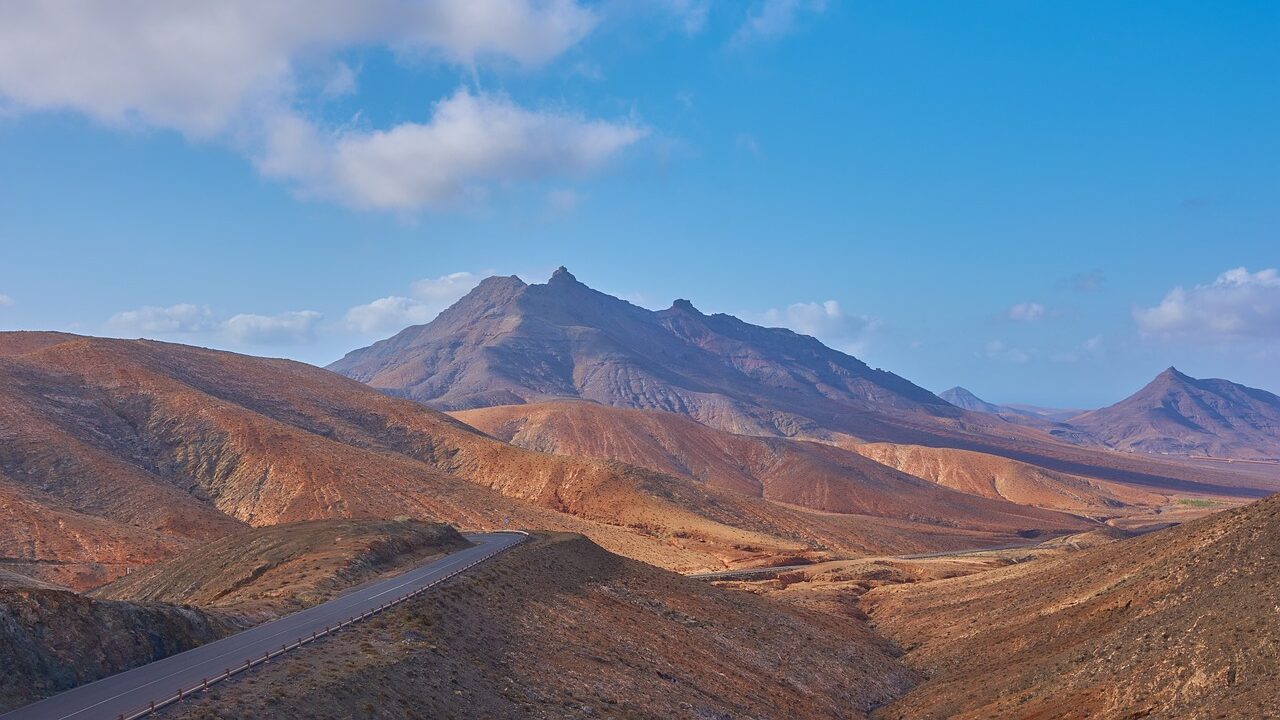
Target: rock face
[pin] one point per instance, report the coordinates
(1178, 414)
(508, 342)
(53, 640)
(1177, 623)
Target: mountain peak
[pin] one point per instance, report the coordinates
(563, 276)
(685, 306)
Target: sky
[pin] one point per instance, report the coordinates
(1046, 203)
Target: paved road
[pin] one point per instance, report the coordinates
(725, 574)
(131, 691)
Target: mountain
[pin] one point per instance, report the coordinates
(1181, 415)
(795, 472)
(966, 400)
(1178, 623)
(507, 342)
(120, 453)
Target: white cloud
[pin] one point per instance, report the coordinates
(188, 319)
(827, 322)
(1026, 312)
(772, 19)
(5, 300)
(429, 297)
(471, 142)
(388, 313)
(999, 350)
(153, 320)
(1236, 305)
(235, 72)
(443, 291)
(289, 328)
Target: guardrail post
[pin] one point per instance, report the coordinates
(206, 683)
(179, 693)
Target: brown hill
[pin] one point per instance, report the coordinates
(1178, 414)
(146, 448)
(808, 474)
(558, 628)
(1178, 623)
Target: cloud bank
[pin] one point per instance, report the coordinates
(237, 72)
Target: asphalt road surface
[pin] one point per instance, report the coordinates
(131, 691)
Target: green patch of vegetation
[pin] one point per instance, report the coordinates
(1196, 502)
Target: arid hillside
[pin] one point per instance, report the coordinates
(1179, 623)
(276, 569)
(993, 476)
(116, 454)
(560, 628)
(802, 473)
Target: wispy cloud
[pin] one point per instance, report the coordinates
(428, 297)
(1026, 312)
(772, 19)
(5, 300)
(826, 321)
(1003, 352)
(187, 320)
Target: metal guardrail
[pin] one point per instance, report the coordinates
(251, 663)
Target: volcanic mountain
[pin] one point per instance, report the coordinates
(1178, 414)
(121, 453)
(507, 342)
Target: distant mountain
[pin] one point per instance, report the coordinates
(508, 342)
(1181, 415)
(962, 398)
(966, 400)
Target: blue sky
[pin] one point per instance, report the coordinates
(1043, 202)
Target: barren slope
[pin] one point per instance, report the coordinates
(1179, 623)
(993, 476)
(560, 628)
